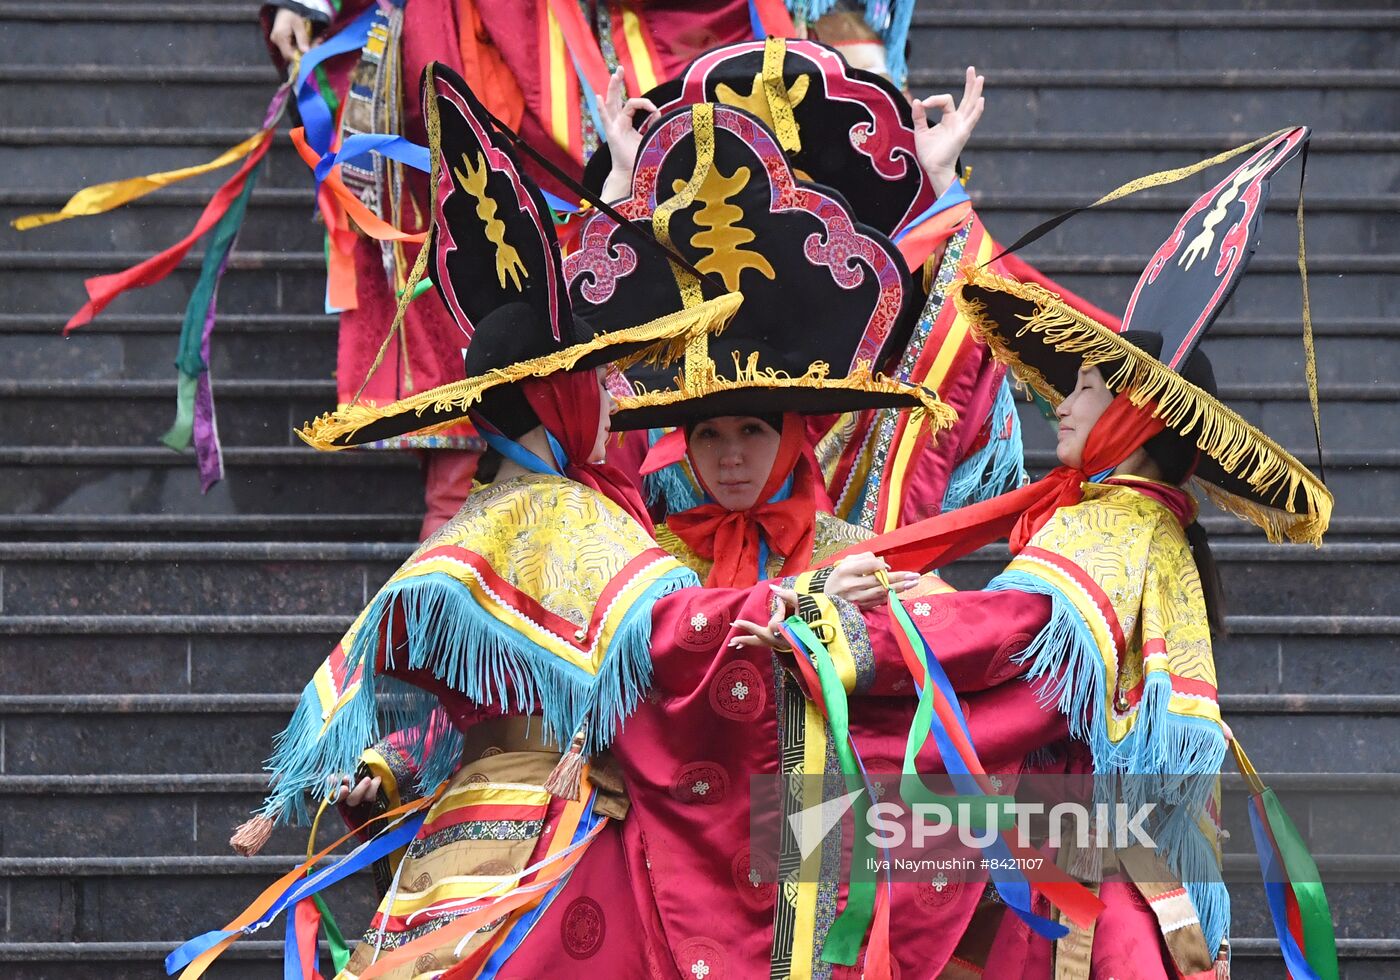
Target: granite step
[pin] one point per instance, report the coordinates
(293, 283)
(1028, 99)
(265, 527)
(252, 654)
(54, 159)
(269, 347)
(282, 219)
(170, 578)
(1156, 39)
(154, 480)
(142, 33)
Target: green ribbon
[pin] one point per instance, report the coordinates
(340, 950)
(189, 357)
(847, 934)
(1319, 940)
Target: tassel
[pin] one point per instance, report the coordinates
(564, 781)
(1222, 961)
(251, 836)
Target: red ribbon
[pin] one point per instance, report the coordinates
(1120, 431)
(102, 290)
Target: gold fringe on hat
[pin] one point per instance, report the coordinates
(702, 380)
(667, 336)
(1272, 473)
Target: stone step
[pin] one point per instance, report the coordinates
(91, 482)
(141, 33)
(1028, 100)
(276, 578)
(281, 219)
(252, 654)
(264, 412)
(165, 899)
(58, 160)
(267, 347)
(1139, 224)
(293, 283)
(143, 734)
(1155, 39)
(154, 480)
(256, 527)
(244, 347)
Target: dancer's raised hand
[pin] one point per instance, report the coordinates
(940, 144)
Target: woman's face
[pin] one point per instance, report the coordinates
(606, 406)
(734, 455)
(1078, 413)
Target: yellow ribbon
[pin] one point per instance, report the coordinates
(105, 197)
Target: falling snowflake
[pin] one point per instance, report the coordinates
(740, 690)
(922, 609)
(699, 621)
(700, 788)
(700, 969)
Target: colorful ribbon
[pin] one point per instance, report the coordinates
(866, 909)
(948, 726)
(195, 956)
(1292, 887)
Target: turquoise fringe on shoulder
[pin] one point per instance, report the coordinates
(670, 486)
(447, 633)
(1166, 758)
(998, 466)
(887, 18)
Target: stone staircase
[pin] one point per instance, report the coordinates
(152, 639)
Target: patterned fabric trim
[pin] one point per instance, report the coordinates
(499, 830)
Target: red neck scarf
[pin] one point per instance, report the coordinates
(732, 538)
(1119, 432)
(567, 404)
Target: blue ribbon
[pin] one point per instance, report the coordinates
(311, 105)
(360, 145)
(1011, 883)
(362, 857)
(953, 196)
(522, 457)
(1276, 894)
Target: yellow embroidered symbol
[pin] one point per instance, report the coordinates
(507, 258)
(1200, 245)
(723, 236)
(758, 102)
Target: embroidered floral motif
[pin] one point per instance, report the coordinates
(704, 783)
(738, 691)
(699, 621)
(700, 788)
(922, 609)
(700, 969)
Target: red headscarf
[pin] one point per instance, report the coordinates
(731, 538)
(1119, 432)
(567, 404)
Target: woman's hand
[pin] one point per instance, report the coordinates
(854, 579)
(365, 791)
(939, 145)
(754, 635)
(623, 137)
(290, 34)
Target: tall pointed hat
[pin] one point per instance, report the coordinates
(1156, 357)
(826, 299)
(496, 264)
(841, 127)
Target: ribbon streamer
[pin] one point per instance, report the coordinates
(1292, 886)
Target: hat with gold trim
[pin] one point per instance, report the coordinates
(1156, 357)
(496, 264)
(826, 299)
